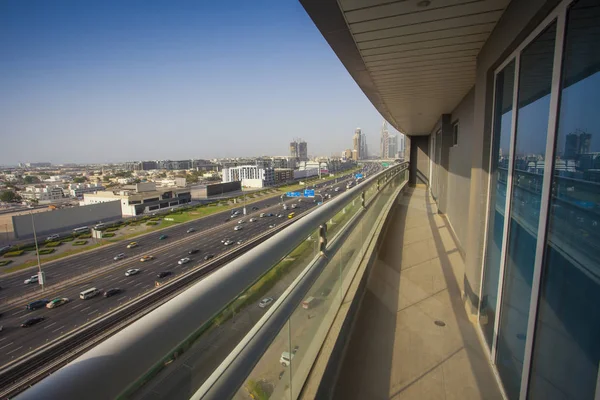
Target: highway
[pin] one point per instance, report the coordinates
(210, 231)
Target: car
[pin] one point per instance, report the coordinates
(270, 214)
(299, 200)
(111, 292)
(59, 301)
(146, 258)
(184, 260)
(294, 206)
(52, 237)
(193, 251)
(32, 279)
(252, 219)
(208, 257)
(162, 237)
(265, 302)
(132, 245)
(119, 256)
(272, 226)
(32, 321)
(279, 215)
(241, 221)
(238, 228)
(337, 189)
(228, 242)
(286, 358)
(132, 271)
(254, 208)
(262, 215)
(240, 241)
(34, 305)
(190, 230)
(163, 274)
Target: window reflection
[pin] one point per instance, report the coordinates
(567, 344)
(498, 175)
(535, 78)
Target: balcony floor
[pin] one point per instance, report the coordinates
(396, 350)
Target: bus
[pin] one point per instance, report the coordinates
(89, 293)
(83, 229)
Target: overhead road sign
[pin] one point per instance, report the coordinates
(293, 194)
(309, 193)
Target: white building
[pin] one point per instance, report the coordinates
(59, 178)
(78, 189)
(250, 176)
(305, 173)
(43, 194)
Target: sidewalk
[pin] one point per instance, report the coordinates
(413, 339)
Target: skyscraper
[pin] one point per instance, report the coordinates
(299, 150)
(357, 144)
(364, 149)
(384, 141)
(392, 146)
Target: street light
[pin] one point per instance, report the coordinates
(37, 252)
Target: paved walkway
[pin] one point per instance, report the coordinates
(397, 351)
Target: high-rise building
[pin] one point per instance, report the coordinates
(577, 143)
(384, 142)
(347, 154)
(357, 144)
(299, 150)
(364, 149)
(392, 146)
(401, 145)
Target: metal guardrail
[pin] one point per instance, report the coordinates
(108, 369)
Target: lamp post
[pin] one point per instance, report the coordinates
(37, 251)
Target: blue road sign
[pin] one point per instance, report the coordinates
(358, 176)
(293, 194)
(309, 193)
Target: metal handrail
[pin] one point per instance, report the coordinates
(129, 354)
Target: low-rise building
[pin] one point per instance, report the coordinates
(43, 193)
(140, 198)
(79, 189)
(59, 178)
(283, 175)
(251, 176)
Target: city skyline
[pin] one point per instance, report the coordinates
(125, 83)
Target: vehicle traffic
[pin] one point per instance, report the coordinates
(132, 271)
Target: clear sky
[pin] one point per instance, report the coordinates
(109, 81)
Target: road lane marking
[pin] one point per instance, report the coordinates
(6, 345)
(48, 326)
(58, 329)
(122, 280)
(4, 338)
(12, 351)
(19, 312)
(137, 284)
(78, 305)
(147, 286)
(121, 298)
(95, 311)
(87, 308)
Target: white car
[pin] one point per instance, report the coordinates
(241, 221)
(265, 302)
(33, 279)
(184, 261)
(252, 219)
(133, 271)
(240, 241)
(286, 358)
(52, 237)
(237, 228)
(228, 242)
(272, 226)
(119, 256)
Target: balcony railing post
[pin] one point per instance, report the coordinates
(362, 200)
(322, 238)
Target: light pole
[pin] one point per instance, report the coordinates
(37, 251)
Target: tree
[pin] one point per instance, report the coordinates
(9, 196)
(29, 179)
(79, 179)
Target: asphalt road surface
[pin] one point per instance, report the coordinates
(210, 231)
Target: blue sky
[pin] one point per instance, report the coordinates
(107, 81)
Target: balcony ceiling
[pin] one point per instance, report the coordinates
(414, 59)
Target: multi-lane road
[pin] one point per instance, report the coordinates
(210, 231)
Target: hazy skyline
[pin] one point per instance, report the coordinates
(114, 81)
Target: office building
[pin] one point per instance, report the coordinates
(392, 150)
(384, 142)
(282, 175)
(251, 176)
(357, 144)
(299, 150)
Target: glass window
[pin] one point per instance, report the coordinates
(567, 342)
(503, 111)
(535, 79)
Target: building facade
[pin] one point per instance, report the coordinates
(357, 144)
(384, 150)
(282, 175)
(250, 175)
